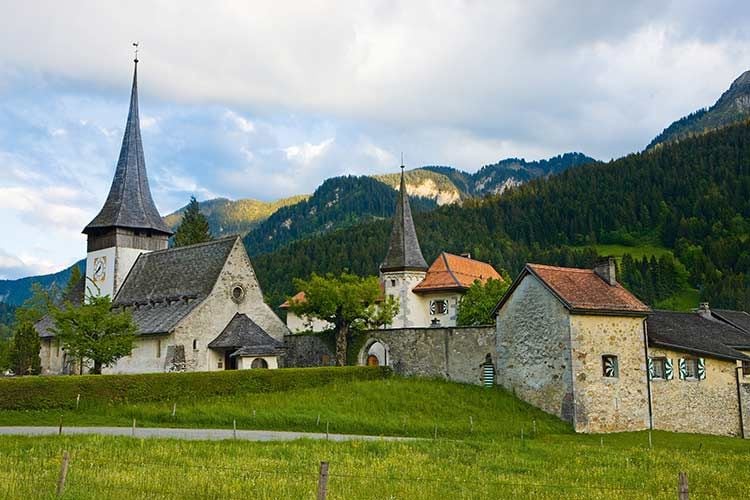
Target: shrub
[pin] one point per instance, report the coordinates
(38, 393)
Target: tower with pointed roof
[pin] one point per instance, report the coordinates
(129, 223)
(404, 266)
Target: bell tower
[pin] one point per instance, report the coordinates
(129, 223)
(404, 266)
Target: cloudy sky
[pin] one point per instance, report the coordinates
(267, 99)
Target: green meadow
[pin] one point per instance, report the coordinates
(473, 443)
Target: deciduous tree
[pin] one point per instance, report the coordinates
(480, 299)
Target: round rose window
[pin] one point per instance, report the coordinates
(238, 293)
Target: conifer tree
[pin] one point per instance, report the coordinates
(194, 227)
(24, 350)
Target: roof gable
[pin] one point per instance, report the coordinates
(582, 291)
(245, 336)
(454, 272)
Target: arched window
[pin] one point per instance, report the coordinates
(259, 363)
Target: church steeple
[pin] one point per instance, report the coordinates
(404, 253)
(129, 203)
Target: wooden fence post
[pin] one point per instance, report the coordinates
(323, 481)
(63, 474)
(59, 429)
(683, 492)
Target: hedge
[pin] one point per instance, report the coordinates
(37, 393)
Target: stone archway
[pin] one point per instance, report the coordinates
(375, 353)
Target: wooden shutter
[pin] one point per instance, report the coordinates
(488, 375)
(701, 369)
(683, 368)
(668, 370)
(650, 369)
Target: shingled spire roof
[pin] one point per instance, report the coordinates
(404, 253)
(129, 203)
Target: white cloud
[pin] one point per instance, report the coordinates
(242, 123)
(305, 153)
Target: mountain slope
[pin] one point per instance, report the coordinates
(426, 184)
(339, 202)
(15, 292)
(732, 106)
(692, 197)
(227, 217)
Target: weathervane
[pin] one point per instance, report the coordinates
(135, 44)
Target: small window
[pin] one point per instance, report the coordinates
(610, 366)
(158, 348)
(195, 344)
(745, 368)
(658, 366)
(438, 307)
(220, 365)
(393, 283)
(691, 368)
(238, 293)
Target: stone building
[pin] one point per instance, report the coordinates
(571, 342)
(198, 307)
(576, 344)
(427, 296)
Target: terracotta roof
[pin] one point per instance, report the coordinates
(582, 291)
(688, 331)
(453, 272)
(298, 297)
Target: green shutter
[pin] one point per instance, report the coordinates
(683, 368)
(650, 369)
(701, 369)
(668, 370)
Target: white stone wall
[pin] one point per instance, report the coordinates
(449, 318)
(119, 262)
(52, 356)
(297, 324)
(533, 349)
(411, 310)
(246, 362)
(148, 356)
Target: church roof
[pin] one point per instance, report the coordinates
(739, 319)
(454, 272)
(45, 326)
(129, 203)
(582, 291)
(688, 331)
(164, 286)
(246, 337)
(404, 253)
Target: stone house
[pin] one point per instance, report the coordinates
(197, 307)
(571, 342)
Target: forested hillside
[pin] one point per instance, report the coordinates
(15, 292)
(338, 203)
(692, 196)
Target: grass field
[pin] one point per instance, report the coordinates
(490, 461)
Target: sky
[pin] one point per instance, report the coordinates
(267, 99)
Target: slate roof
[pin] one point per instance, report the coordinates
(582, 291)
(404, 253)
(692, 333)
(75, 297)
(164, 286)
(738, 319)
(129, 203)
(453, 272)
(249, 339)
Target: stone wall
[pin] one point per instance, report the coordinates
(533, 349)
(451, 353)
(609, 404)
(706, 406)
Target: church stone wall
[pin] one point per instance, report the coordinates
(706, 406)
(450, 353)
(533, 345)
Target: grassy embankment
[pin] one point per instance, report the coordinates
(492, 461)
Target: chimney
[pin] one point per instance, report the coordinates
(704, 311)
(605, 269)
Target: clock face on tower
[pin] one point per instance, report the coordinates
(100, 268)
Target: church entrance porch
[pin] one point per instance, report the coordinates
(230, 362)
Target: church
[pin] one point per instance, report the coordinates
(197, 308)
(428, 296)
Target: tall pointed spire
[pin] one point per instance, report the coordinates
(404, 253)
(129, 203)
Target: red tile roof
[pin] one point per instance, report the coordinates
(299, 297)
(453, 272)
(583, 291)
